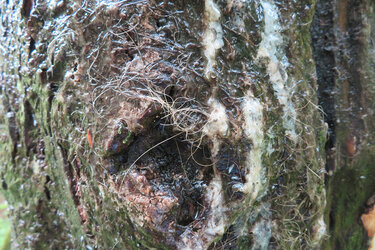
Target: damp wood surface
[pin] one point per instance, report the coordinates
(215, 124)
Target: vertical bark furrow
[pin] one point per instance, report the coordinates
(325, 47)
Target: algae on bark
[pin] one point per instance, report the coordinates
(202, 119)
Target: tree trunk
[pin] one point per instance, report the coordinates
(187, 124)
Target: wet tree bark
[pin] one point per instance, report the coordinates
(187, 124)
(343, 34)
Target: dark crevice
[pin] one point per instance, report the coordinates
(4, 184)
(228, 162)
(324, 47)
(43, 76)
(28, 127)
(56, 73)
(46, 189)
(228, 241)
(332, 221)
(52, 89)
(31, 46)
(12, 123)
(73, 181)
(27, 5)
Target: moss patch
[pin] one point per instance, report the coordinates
(349, 189)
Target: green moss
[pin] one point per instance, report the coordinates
(349, 189)
(120, 128)
(244, 242)
(128, 137)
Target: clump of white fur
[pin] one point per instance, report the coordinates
(212, 37)
(217, 124)
(271, 47)
(252, 111)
